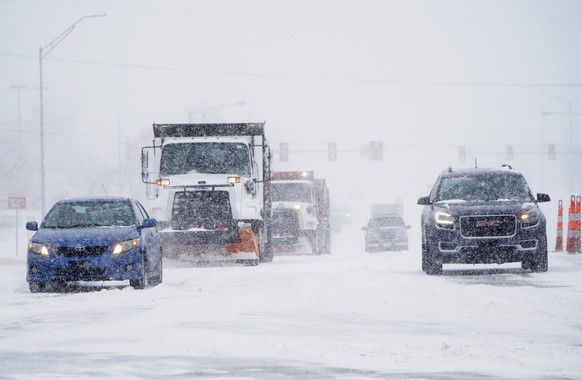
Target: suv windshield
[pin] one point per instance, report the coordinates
(89, 214)
(483, 187)
(207, 158)
(386, 221)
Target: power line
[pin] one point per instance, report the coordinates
(306, 77)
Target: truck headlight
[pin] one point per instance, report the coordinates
(124, 246)
(38, 248)
(443, 219)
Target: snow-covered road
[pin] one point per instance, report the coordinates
(348, 315)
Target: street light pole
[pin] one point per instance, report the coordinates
(43, 52)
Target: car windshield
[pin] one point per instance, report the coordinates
(386, 221)
(207, 158)
(291, 192)
(89, 214)
(483, 188)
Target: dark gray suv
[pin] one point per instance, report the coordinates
(481, 216)
(386, 232)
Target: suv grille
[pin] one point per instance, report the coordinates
(488, 226)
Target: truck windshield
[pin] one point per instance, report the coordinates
(206, 158)
(291, 192)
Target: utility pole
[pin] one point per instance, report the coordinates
(43, 52)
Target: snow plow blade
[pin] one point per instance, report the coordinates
(248, 245)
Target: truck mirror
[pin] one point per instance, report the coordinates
(144, 165)
(250, 187)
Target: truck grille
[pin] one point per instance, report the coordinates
(285, 222)
(488, 226)
(201, 209)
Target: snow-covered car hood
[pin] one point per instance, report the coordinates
(88, 235)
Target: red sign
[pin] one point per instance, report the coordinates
(16, 202)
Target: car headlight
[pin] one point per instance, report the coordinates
(38, 248)
(124, 246)
(529, 218)
(443, 219)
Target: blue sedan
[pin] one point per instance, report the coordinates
(94, 239)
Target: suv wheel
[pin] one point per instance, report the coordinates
(539, 262)
(430, 265)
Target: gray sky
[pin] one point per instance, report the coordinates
(424, 77)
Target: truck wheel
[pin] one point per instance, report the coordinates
(265, 247)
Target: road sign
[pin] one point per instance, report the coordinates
(16, 202)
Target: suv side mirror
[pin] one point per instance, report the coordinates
(423, 201)
(543, 197)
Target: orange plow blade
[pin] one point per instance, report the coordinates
(249, 242)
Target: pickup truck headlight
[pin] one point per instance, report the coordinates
(443, 219)
(124, 246)
(38, 248)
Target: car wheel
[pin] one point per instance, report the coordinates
(430, 265)
(157, 278)
(539, 262)
(37, 287)
(139, 283)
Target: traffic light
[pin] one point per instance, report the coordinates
(332, 151)
(283, 152)
(462, 153)
(376, 150)
(552, 151)
(509, 152)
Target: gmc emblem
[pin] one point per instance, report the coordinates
(487, 223)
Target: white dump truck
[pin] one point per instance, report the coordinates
(208, 187)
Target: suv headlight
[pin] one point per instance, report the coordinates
(125, 246)
(529, 218)
(38, 248)
(443, 219)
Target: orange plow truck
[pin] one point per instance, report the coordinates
(300, 213)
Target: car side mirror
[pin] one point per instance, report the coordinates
(32, 226)
(364, 228)
(423, 201)
(149, 223)
(543, 197)
(408, 226)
